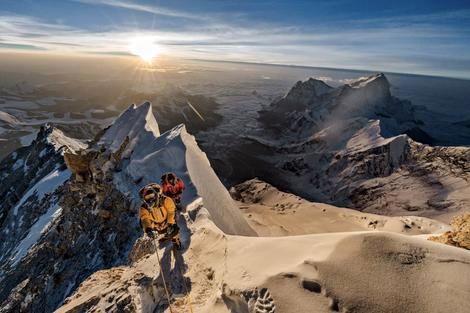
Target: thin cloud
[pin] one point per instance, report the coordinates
(142, 8)
(16, 46)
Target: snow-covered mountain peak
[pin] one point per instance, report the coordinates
(48, 134)
(364, 94)
(308, 89)
(378, 79)
(136, 122)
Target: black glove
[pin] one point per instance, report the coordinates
(151, 233)
(172, 230)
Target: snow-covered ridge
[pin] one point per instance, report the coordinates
(369, 138)
(362, 82)
(134, 123)
(149, 155)
(69, 223)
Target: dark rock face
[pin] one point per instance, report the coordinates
(417, 134)
(94, 228)
(302, 96)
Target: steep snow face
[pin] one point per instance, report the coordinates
(55, 231)
(46, 185)
(137, 123)
(32, 175)
(369, 138)
(148, 156)
(28, 175)
(35, 232)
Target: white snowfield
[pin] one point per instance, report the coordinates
(58, 139)
(273, 213)
(369, 138)
(150, 155)
(46, 185)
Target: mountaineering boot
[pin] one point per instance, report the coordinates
(172, 231)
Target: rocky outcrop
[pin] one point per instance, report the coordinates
(89, 163)
(74, 228)
(302, 96)
(79, 164)
(22, 169)
(95, 228)
(459, 236)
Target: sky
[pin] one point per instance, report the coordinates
(424, 36)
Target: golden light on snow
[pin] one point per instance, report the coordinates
(145, 48)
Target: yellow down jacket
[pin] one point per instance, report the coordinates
(159, 216)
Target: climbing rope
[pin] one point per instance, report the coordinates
(186, 291)
(163, 276)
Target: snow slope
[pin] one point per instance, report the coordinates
(338, 272)
(46, 185)
(31, 177)
(35, 232)
(275, 213)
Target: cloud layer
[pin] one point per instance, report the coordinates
(419, 43)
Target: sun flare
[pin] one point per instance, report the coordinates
(145, 48)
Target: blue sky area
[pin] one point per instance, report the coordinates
(425, 37)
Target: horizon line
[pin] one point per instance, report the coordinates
(127, 54)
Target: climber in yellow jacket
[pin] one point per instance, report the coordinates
(157, 214)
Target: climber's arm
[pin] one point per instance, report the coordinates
(145, 219)
(170, 208)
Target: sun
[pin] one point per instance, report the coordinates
(145, 48)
